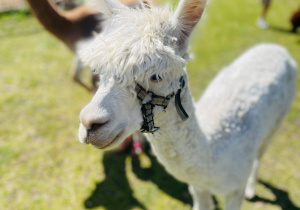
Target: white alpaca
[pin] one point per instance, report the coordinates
(217, 148)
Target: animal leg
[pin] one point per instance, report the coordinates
(202, 200)
(75, 72)
(234, 200)
(250, 187)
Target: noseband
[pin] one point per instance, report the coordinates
(156, 100)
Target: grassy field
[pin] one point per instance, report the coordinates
(42, 164)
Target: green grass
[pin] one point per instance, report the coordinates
(42, 164)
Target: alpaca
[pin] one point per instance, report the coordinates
(214, 145)
(72, 27)
(295, 20)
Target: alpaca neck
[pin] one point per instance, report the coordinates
(178, 140)
(52, 19)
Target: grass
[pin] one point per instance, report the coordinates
(43, 166)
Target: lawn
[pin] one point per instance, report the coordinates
(42, 164)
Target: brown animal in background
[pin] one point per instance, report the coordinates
(70, 27)
(295, 20)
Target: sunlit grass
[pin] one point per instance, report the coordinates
(42, 165)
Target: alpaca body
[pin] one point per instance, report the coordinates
(68, 26)
(217, 149)
(234, 120)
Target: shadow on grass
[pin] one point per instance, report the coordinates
(283, 30)
(281, 198)
(115, 192)
(164, 181)
(24, 12)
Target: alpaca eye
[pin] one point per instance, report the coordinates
(155, 78)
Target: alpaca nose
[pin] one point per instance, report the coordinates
(93, 119)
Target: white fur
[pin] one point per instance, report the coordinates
(218, 148)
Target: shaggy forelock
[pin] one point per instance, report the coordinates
(136, 43)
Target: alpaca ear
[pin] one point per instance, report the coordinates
(188, 13)
(107, 7)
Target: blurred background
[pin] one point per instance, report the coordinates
(42, 164)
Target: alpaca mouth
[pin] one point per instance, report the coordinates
(101, 139)
(110, 142)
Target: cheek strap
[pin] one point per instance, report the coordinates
(156, 100)
(180, 110)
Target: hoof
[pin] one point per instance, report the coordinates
(249, 194)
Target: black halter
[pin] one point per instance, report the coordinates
(147, 108)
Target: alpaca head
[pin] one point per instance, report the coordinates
(145, 46)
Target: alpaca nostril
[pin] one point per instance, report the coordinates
(94, 127)
(93, 118)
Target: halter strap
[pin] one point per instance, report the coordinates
(180, 110)
(147, 107)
